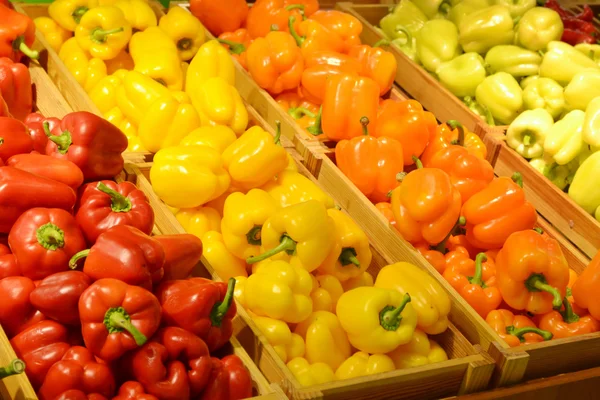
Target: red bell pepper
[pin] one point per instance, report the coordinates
(4, 112)
(22, 190)
(174, 366)
(200, 306)
(117, 317)
(91, 142)
(15, 86)
(132, 390)
(106, 204)
(182, 254)
(43, 240)
(16, 311)
(587, 14)
(579, 25)
(75, 394)
(15, 367)
(35, 123)
(14, 138)
(63, 171)
(78, 370)
(126, 253)
(57, 296)
(17, 35)
(229, 380)
(8, 263)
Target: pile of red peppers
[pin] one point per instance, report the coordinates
(578, 28)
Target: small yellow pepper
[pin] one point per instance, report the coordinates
(219, 203)
(419, 351)
(137, 93)
(200, 220)
(288, 345)
(68, 13)
(225, 264)
(184, 68)
(363, 364)
(211, 60)
(218, 137)
(54, 34)
(104, 93)
(86, 70)
(116, 117)
(326, 292)
(310, 374)
(103, 32)
(292, 165)
(292, 188)
(138, 13)
(365, 279)
(219, 103)
(122, 61)
(185, 30)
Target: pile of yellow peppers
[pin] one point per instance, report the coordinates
(145, 75)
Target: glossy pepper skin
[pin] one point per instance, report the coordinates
(87, 70)
(419, 351)
(49, 167)
(586, 286)
(133, 390)
(200, 220)
(103, 31)
(291, 188)
(463, 74)
(583, 88)
(405, 14)
(486, 28)
(516, 330)
(57, 296)
(344, 25)
(437, 42)
(502, 96)
(377, 64)
(363, 364)
(564, 139)
(513, 60)
(562, 62)
(566, 323)
(310, 374)
(312, 37)
(68, 13)
(237, 42)
(54, 34)
(134, 94)
(15, 88)
(218, 137)
(544, 93)
(448, 134)
(326, 292)
(117, 317)
(8, 263)
(229, 379)
(16, 35)
(264, 14)
(220, 16)
(134, 257)
(182, 253)
(582, 189)
(288, 345)
(14, 138)
(184, 30)
(17, 312)
(138, 13)
(219, 103)
(225, 264)
(538, 27)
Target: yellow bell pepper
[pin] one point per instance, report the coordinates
(325, 339)
(211, 60)
(243, 219)
(188, 177)
(219, 103)
(116, 117)
(279, 290)
(292, 188)
(364, 279)
(225, 264)
(219, 203)
(288, 345)
(377, 320)
(429, 299)
(54, 34)
(104, 93)
(184, 68)
(419, 351)
(200, 220)
(86, 70)
(122, 61)
(254, 158)
(363, 364)
(310, 374)
(103, 32)
(351, 253)
(68, 13)
(137, 93)
(302, 234)
(292, 165)
(218, 137)
(155, 55)
(185, 30)
(326, 292)
(138, 13)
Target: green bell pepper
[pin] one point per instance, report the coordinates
(431, 8)
(591, 123)
(407, 44)
(482, 111)
(462, 75)
(502, 95)
(583, 88)
(562, 62)
(564, 141)
(406, 15)
(546, 94)
(437, 42)
(560, 175)
(514, 60)
(590, 50)
(527, 133)
(584, 189)
(486, 28)
(466, 7)
(517, 8)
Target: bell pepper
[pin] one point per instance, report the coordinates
(17, 313)
(430, 8)
(346, 26)
(225, 264)
(78, 369)
(407, 45)
(583, 189)
(445, 135)
(460, 10)
(4, 108)
(287, 345)
(310, 374)
(585, 287)
(516, 330)
(182, 253)
(363, 364)
(228, 380)
(35, 124)
(116, 117)
(237, 42)
(527, 133)
(40, 192)
(326, 292)
(14, 139)
(559, 175)
(135, 258)
(486, 28)
(306, 117)
(537, 28)
(155, 55)
(428, 298)
(211, 61)
(302, 234)
(562, 62)
(40, 346)
(184, 30)
(136, 93)
(293, 188)
(325, 339)
(385, 208)
(405, 14)
(502, 96)
(565, 323)
(312, 37)
(218, 137)
(8, 263)
(517, 8)
(591, 50)
(15, 88)
(133, 390)
(18, 35)
(54, 34)
(513, 60)
(583, 88)
(365, 279)
(104, 92)
(269, 15)
(49, 167)
(377, 64)
(372, 163)
(219, 103)
(197, 221)
(103, 32)
(188, 176)
(419, 351)
(57, 296)
(546, 94)
(437, 42)
(564, 140)
(264, 297)
(591, 123)
(138, 13)
(87, 71)
(68, 13)
(463, 74)
(220, 16)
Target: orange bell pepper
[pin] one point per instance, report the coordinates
(275, 62)
(497, 211)
(457, 241)
(444, 136)
(268, 15)
(532, 272)
(385, 208)
(377, 64)
(566, 323)
(586, 288)
(426, 205)
(572, 279)
(406, 122)
(435, 258)
(371, 163)
(237, 42)
(302, 110)
(516, 330)
(311, 36)
(220, 16)
(347, 27)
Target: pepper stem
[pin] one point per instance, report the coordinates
(100, 35)
(364, 121)
(406, 32)
(50, 237)
(348, 256)
(417, 162)
(253, 236)
(19, 44)
(539, 230)
(277, 132)
(568, 314)
(117, 320)
(46, 127)
(517, 178)
(234, 47)
(382, 42)
(390, 317)
(519, 332)
(454, 124)
(538, 283)
(78, 256)
(15, 367)
(221, 308)
(78, 13)
(63, 141)
(299, 112)
(119, 203)
(315, 129)
(296, 7)
(286, 244)
(527, 138)
(476, 279)
(441, 246)
(299, 39)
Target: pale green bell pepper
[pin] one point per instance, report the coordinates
(405, 14)
(590, 50)
(466, 7)
(431, 7)
(564, 141)
(591, 123)
(562, 62)
(407, 44)
(527, 133)
(583, 88)
(486, 28)
(517, 7)
(529, 80)
(559, 175)
(514, 60)
(546, 94)
(502, 95)
(437, 42)
(538, 27)
(584, 189)
(482, 111)
(462, 75)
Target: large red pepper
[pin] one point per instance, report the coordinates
(57, 296)
(8, 263)
(22, 190)
(17, 34)
(133, 390)
(43, 240)
(126, 253)
(15, 87)
(50, 167)
(106, 204)
(74, 394)
(229, 380)
(91, 142)
(117, 317)
(78, 370)
(200, 306)
(14, 138)
(182, 254)
(16, 311)
(35, 123)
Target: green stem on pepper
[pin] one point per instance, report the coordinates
(78, 256)
(286, 243)
(15, 367)
(221, 308)
(390, 317)
(119, 203)
(118, 320)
